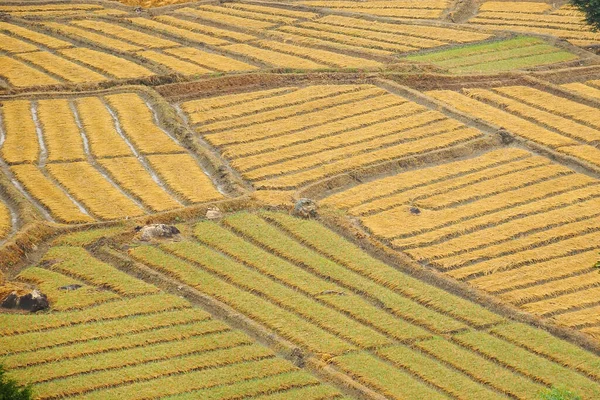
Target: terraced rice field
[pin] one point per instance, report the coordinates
(589, 88)
(112, 44)
(509, 222)
(102, 157)
(418, 9)
(290, 137)
(566, 126)
(6, 220)
(120, 337)
(536, 17)
(53, 10)
(451, 148)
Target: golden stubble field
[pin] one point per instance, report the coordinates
(452, 150)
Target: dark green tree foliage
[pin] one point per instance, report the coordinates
(559, 394)
(591, 8)
(11, 390)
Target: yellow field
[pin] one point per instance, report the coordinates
(425, 9)
(281, 140)
(565, 126)
(298, 281)
(530, 17)
(86, 157)
(204, 39)
(508, 222)
(451, 150)
(5, 221)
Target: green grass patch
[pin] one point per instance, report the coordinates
(471, 50)
(520, 52)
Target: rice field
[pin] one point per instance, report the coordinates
(508, 222)
(560, 124)
(120, 337)
(98, 157)
(287, 139)
(451, 148)
(55, 44)
(401, 9)
(565, 22)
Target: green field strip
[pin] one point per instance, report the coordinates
(285, 323)
(194, 380)
(135, 356)
(278, 242)
(320, 392)
(431, 370)
(85, 238)
(103, 329)
(11, 324)
(49, 283)
(482, 369)
(342, 251)
(227, 242)
(99, 380)
(529, 364)
(543, 343)
(512, 54)
(327, 292)
(524, 62)
(179, 325)
(479, 49)
(289, 299)
(282, 383)
(362, 310)
(391, 382)
(78, 262)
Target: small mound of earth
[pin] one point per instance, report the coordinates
(305, 208)
(157, 231)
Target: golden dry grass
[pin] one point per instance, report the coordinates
(21, 144)
(131, 175)
(87, 185)
(48, 194)
(61, 133)
(185, 177)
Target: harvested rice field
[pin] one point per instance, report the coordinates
(289, 138)
(510, 223)
(98, 157)
(325, 304)
(546, 18)
(299, 200)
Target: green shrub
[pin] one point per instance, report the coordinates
(591, 8)
(559, 394)
(11, 390)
